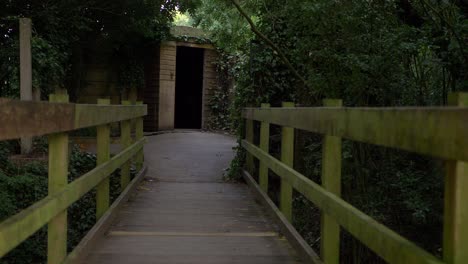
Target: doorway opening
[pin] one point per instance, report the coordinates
(189, 88)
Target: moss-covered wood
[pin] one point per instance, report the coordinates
(25, 119)
(384, 242)
(436, 131)
(19, 227)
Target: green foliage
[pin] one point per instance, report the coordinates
(23, 186)
(368, 53)
(66, 33)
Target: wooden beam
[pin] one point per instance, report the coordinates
(19, 227)
(331, 181)
(125, 141)
(139, 135)
(384, 242)
(58, 180)
(455, 202)
(436, 131)
(287, 157)
(26, 93)
(103, 155)
(249, 136)
(306, 253)
(26, 119)
(264, 145)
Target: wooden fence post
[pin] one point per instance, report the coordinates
(58, 179)
(455, 202)
(26, 93)
(249, 136)
(331, 181)
(125, 141)
(103, 155)
(139, 135)
(287, 157)
(264, 145)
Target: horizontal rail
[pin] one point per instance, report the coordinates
(440, 131)
(19, 227)
(382, 240)
(27, 119)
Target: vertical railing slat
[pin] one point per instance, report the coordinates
(126, 141)
(139, 135)
(103, 155)
(455, 203)
(249, 136)
(287, 157)
(264, 145)
(58, 179)
(331, 181)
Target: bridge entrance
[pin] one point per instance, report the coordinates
(189, 88)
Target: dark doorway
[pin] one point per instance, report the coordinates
(189, 88)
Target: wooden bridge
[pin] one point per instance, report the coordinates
(178, 209)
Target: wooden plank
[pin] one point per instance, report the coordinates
(306, 253)
(139, 135)
(58, 180)
(455, 202)
(26, 119)
(89, 241)
(331, 181)
(26, 90)
(103, 155)
(435, 131)
(249, 136)
(264, 145)
(384, 242)
(126, 141)
(287, 157)
(19, 227)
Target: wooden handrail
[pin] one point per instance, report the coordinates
(436, 131)
(27, 119)
(19, 119)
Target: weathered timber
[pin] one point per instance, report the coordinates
(287, 157)
(264, 145)
(126, 140)
(249, 136)
(184, 212)
(93, 235)
(384, 242)
(103, 155)
(455, 238)
(436, 131)
(26, 119)
(58, 180)
(26, 89)
(306, 253)
(19, 227)
(139, 135)
(331, 181)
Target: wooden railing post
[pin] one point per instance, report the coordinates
(264, 145)
(125, 142)
(455, 202)
(139, 135)
(103, 155)
(331, 181)
(58, 179)
(287, 157)
(249, 136)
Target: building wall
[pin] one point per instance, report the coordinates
(151, 90)
(167, 74)
(209, 83)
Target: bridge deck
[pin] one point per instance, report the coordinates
(184, 213)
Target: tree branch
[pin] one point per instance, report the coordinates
(270, 43)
